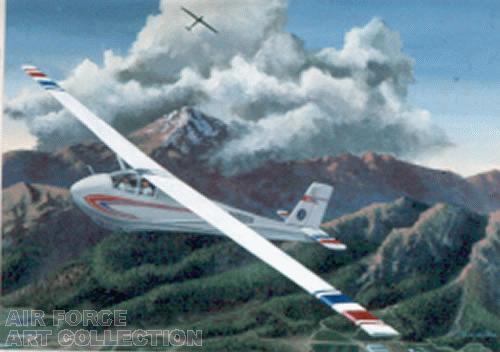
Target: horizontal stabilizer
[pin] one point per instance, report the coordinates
(324, 239)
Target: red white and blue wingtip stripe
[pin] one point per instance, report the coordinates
(41, 78)
(356, 313)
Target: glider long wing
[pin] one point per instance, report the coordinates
(190, 13)
(199, 19)
(209, 26)
(214, 214)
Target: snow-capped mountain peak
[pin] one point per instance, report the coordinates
(183, 130)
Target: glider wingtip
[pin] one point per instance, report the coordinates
(28, 67)
(41, 78)
(380, 330)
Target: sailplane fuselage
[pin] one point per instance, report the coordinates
(136, 206)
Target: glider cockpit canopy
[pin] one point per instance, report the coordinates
(132, 181)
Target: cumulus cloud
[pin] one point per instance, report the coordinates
(290, 102)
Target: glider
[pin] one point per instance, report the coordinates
(198, 19)
(144, 195)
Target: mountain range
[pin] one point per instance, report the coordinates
(184, 141)
(423, 245)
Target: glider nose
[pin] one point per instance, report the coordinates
(78, 189)
(90, 184)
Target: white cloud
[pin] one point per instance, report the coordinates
(291, 103)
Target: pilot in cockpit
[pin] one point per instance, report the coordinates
(125, 184)
(147, 188)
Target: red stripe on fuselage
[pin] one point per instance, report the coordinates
(94, 200)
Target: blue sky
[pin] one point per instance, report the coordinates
(454, 45)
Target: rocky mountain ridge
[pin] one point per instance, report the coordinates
(184, 141)
(421, 247)
(420, 266)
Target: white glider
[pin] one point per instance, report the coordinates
(223, 219)
(198, 19)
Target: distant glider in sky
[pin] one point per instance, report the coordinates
(197, 19)
(144, 196)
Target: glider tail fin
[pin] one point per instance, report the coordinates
(311, 208)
